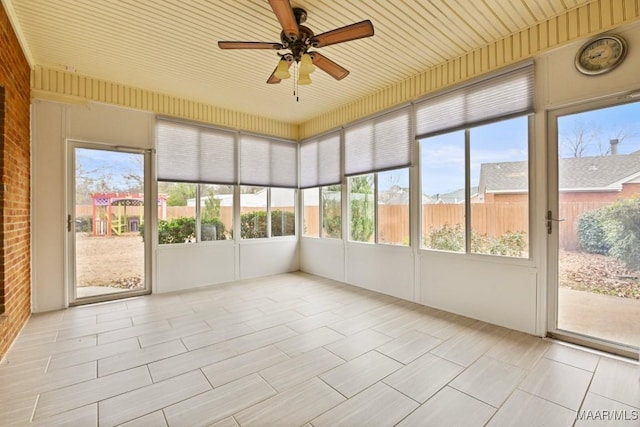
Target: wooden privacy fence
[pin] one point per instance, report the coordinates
(492, 219)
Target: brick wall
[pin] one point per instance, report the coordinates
(15, 270)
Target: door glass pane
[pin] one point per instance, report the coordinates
(599, 237)
(109, 221)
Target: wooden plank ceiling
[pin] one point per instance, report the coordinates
(169, 46)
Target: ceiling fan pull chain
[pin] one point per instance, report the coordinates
(296, 87)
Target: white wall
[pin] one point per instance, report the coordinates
(174, 268)
(194, 265)
(507, 292)
(266, 257)
(382, 268)
(323, 257)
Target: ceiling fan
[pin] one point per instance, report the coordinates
(298, 40)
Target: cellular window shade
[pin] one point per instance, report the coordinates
(378, 144)
(507, 94)
(192, 153)
(268, 162)
(320, 161)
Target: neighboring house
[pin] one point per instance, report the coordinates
(582, 179)
(453, 197)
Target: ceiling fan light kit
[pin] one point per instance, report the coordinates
(298, 40)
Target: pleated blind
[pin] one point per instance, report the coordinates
(507, 94)
(377, 144)
(268, 162)
(320, 161)
(192, 153)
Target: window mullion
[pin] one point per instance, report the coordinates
(198, 213)
(268, 212)
(467, 190)
(375, 210)
(320, 212)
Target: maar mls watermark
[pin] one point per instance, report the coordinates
(608, 415)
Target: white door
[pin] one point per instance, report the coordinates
(108, 206)
(594, 225)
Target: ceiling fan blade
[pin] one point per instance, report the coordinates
(328, 66)
(249, 45)
(355, 31)
(286, 17)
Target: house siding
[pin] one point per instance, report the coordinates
(15, 266)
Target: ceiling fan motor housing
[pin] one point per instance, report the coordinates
(299, 46)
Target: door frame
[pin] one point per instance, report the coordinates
(552, 238)
(70, 250)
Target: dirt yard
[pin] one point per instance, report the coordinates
(598, 274)
(119, 262)
(116, 262)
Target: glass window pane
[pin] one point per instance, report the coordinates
(283, 208)
(216, 212)
(253, 212)
(500, 188)
(393, 207)
(177, 223)
(311, 212)
(443, 183)
(362, 209)
(332, 211)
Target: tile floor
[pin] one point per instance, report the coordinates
(298, 350)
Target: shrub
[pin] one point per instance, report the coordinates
(183, 230)
(83, 224)
(253, 225)
(451, 238)
(178, 230)
(332, 226)
(283, 223)
(622, 231)
(590, 229)
(511, 243)
(446, 238)
(212, 229)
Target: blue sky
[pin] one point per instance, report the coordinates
(442, 157)
(112, 165)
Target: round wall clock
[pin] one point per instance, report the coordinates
(601, 54)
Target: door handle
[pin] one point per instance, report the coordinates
(551, 220)
(69, 223)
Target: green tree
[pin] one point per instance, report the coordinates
(178, 193)
(211, 208)
(331, 212)
(362, 209)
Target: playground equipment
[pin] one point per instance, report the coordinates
(118, 213)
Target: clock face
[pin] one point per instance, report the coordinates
(601, 55)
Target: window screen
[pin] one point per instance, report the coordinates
(378, 144)
(193, 153)
(320, 161)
